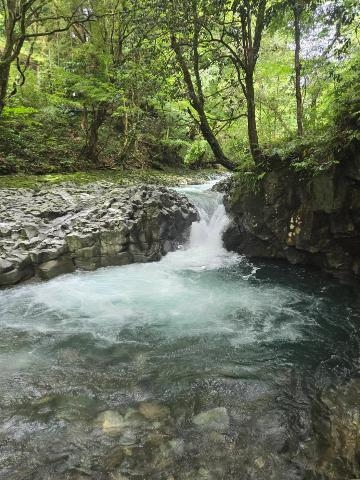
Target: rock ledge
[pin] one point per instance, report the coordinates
(312, 221)
(57, 230)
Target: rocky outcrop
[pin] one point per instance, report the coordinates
(49, 232)
(336, 423)
(314, 221)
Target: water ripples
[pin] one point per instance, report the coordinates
(201, 366)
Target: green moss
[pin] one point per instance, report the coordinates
(248, 176)
(119, 177)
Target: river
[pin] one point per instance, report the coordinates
(205, 365)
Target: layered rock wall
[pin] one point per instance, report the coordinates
(53, 231)
(314, 221)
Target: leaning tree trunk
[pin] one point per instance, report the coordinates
(299, 105)
(212, 141)
(251, 118)
(197, 102)
(4, 81)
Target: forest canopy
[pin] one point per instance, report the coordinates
(140, 83)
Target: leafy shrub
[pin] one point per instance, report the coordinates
(198, 153)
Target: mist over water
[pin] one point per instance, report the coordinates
(203, 330)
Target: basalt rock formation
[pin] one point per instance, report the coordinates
(53, 231)
(305, 220)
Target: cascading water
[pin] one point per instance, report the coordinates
(201, 366)
(205, 248)
(213, 221)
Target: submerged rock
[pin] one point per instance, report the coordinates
(178, 446)
(111, 422)
(216, 419)
(54, 231)
(336, 420)
(153, 411)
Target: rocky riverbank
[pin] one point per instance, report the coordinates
(336, 423)
(305, 220)
(52, 231)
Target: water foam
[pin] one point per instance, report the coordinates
(193, 291)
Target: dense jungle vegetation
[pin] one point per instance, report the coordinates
(159, 84)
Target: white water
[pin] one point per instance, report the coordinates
(205, 249)
(200, 329)
(189, 291)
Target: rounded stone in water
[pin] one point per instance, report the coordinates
(112, 422)
(216, 419)
(153, 411)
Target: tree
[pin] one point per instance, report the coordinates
(197, 101)
(297, 8)
(238, 31)
(185, 28)
(331, 18)
(187, 36)
(26, 20)
(238, 73)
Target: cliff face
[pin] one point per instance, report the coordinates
(314, 221)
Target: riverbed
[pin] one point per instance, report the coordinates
(204, 365)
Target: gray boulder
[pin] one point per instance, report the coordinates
(57, 230)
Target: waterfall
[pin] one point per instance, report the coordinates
(213, 220)
(205, 247)
(115, 356)
(208, 231)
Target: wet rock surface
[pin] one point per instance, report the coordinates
(126, 442)
(157, 371)
(336, 420)
(57, 230)
(312, 221)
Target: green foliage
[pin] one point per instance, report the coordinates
(197, 153)
(114, 80)
(37, 142)
(249, 180)
(347, 103)
(248, 176)
(19, 113)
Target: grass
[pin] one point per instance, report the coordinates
(119, 177)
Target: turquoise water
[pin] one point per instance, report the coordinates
(204, 365)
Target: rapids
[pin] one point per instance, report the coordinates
(204, 365)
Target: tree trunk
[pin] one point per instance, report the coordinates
(209, 136)
(90, 150)
(251, 118)
(4, 81)
(299, 106)
(197, 102)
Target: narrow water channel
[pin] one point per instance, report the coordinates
(204, 365)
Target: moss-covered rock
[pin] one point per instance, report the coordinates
(170, 178)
